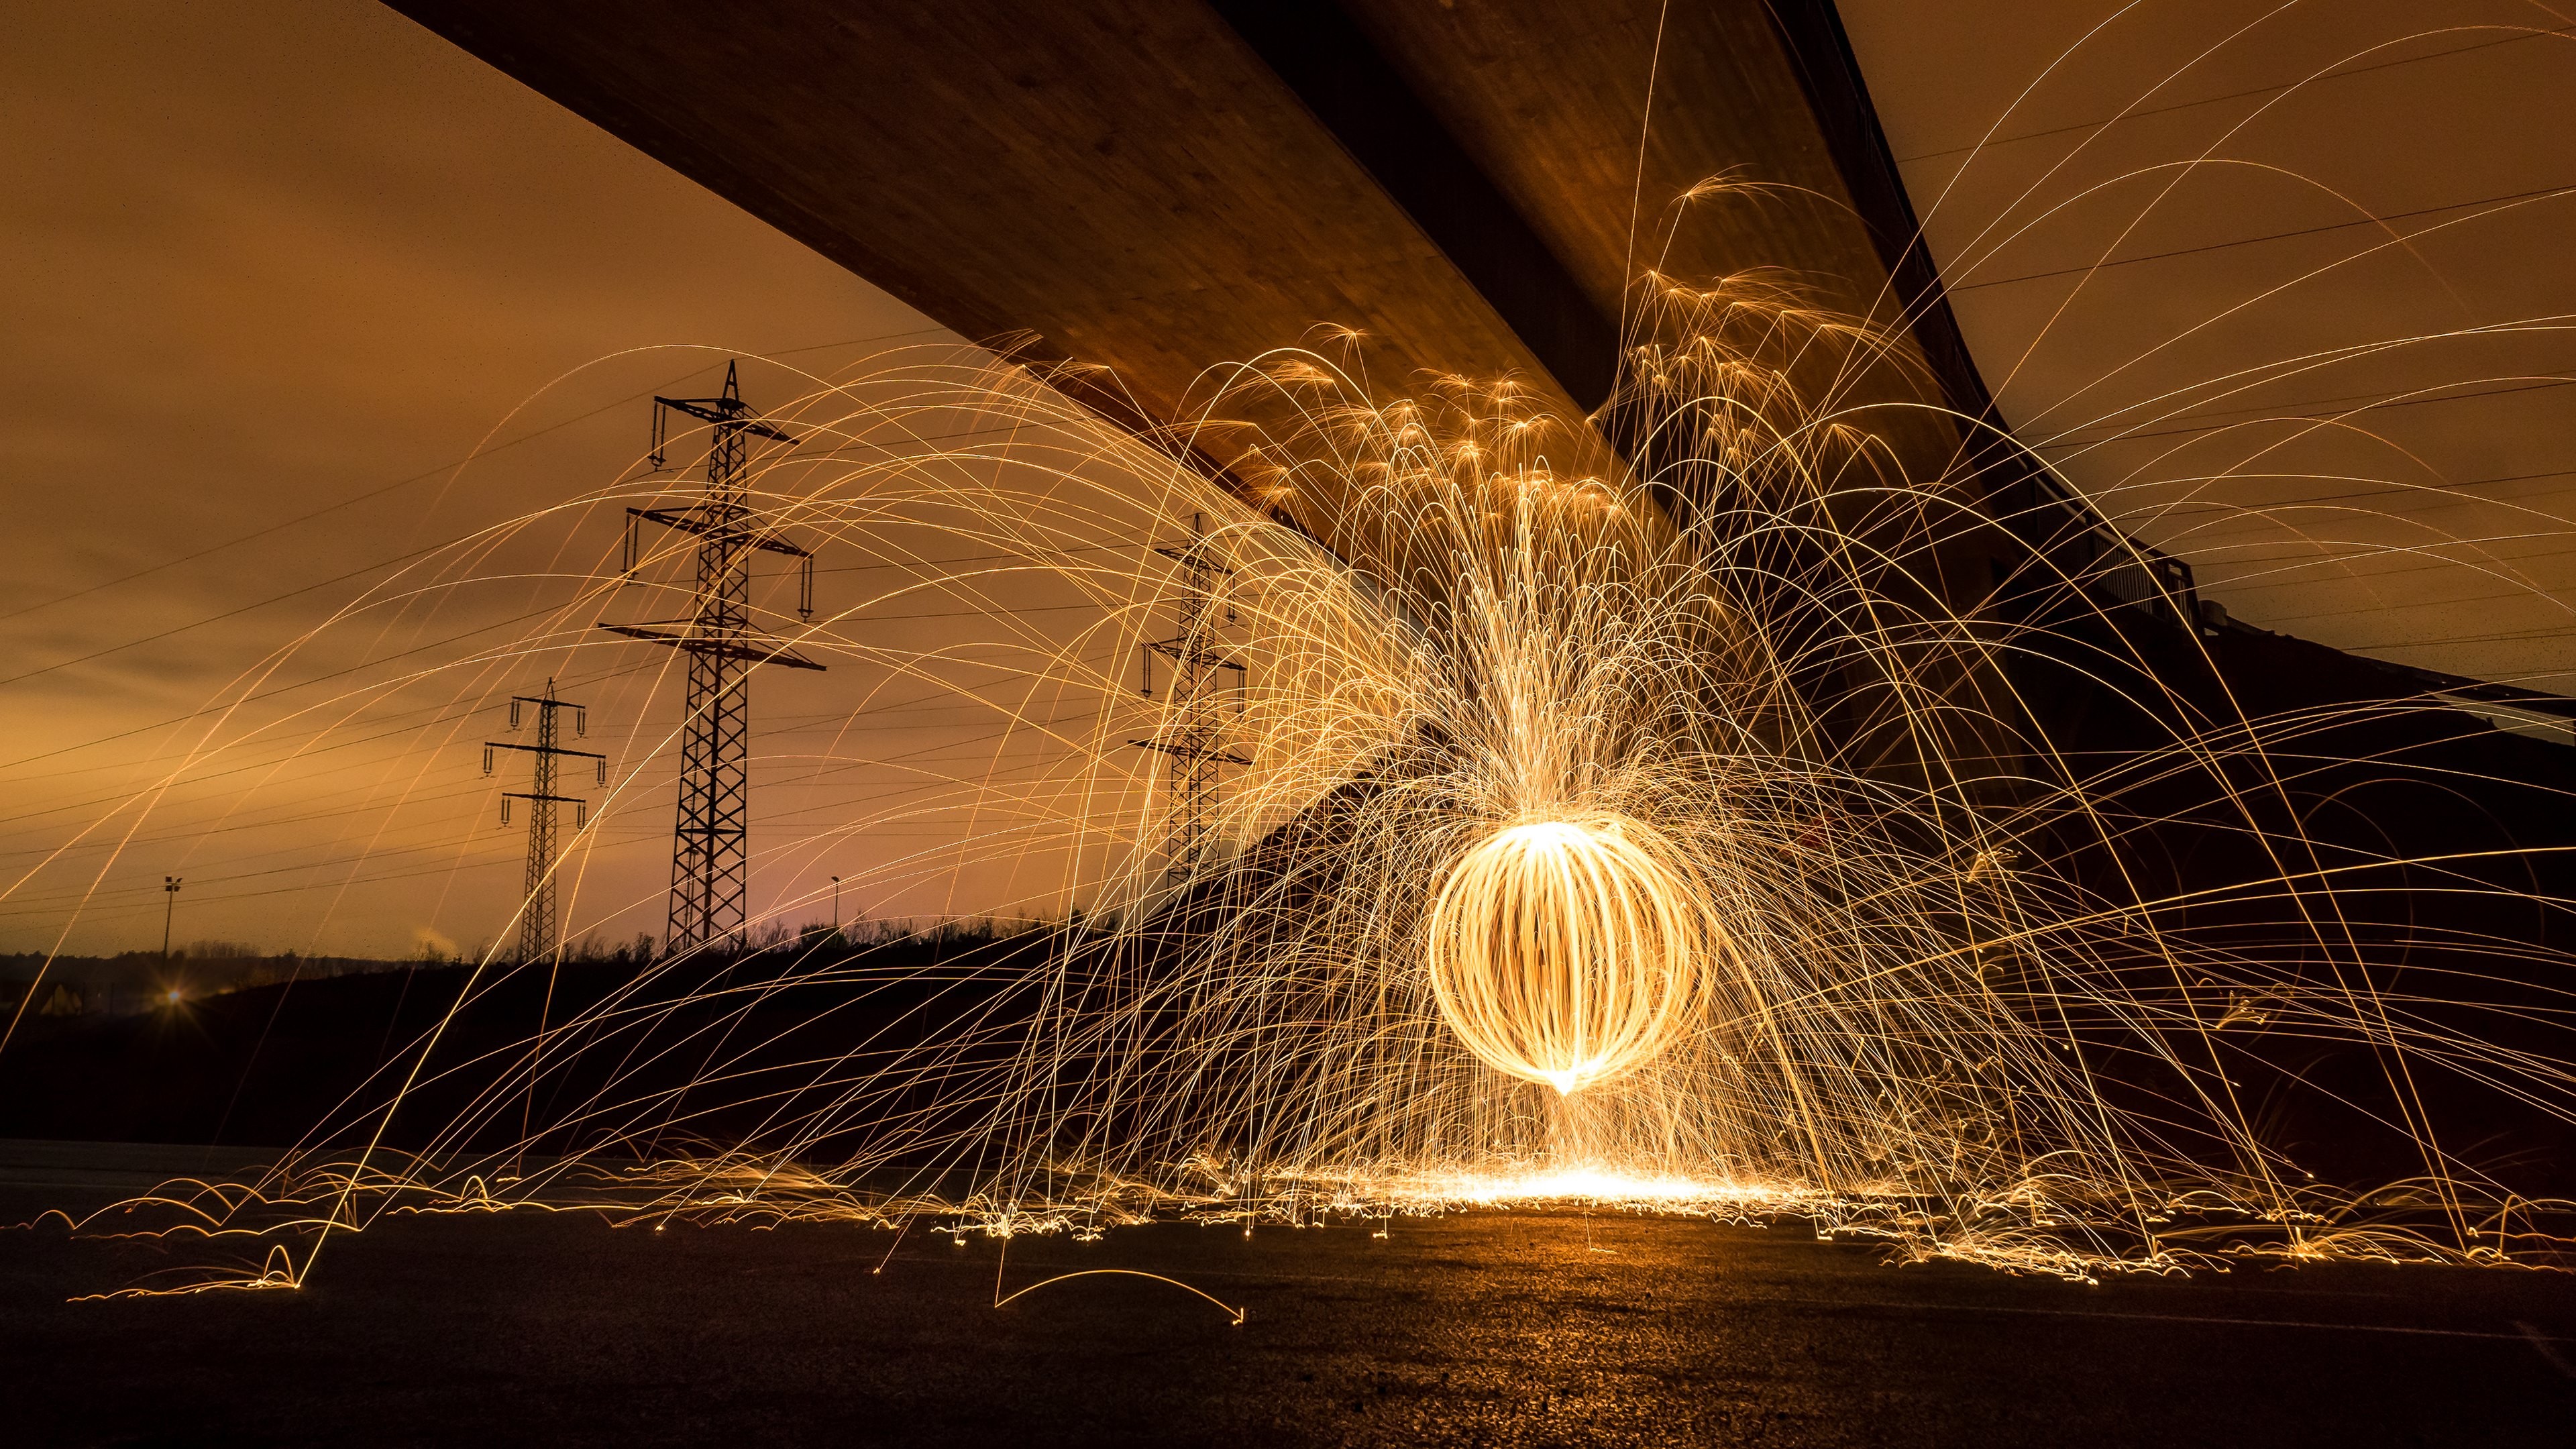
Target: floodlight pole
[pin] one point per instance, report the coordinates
(169, 907)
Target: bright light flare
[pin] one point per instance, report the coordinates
(1697, 817)
(1586, 1184)
(1566, 952)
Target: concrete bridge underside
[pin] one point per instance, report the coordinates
(1159, 186)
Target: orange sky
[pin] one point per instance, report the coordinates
(2430, 533)
(277, 270)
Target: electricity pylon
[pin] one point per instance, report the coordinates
(1193, 706)
(710, 843)
(537, 910)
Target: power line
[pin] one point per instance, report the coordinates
(26, 904)
(219, 618)
(2543, 191)
(309, 811)
(277, 690)
(914, 704)
(429, 549)
(2281, 413)
(2229, 96)
(380, 491)
(2439, 494)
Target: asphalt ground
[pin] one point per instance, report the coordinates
(1486, 1328)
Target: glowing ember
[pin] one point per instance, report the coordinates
(1685, 814)
(1590, 1184)
(1565, 953)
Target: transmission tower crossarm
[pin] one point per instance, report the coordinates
(537, 936)
(541, 749)
(1180, 652)
(754, 650)
(580, 814)
(1191, 752)
(546, 756)
(726, 410)
(701, 520)
(1194, 556)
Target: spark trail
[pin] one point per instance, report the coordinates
(1659, 835)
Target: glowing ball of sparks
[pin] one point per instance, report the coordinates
(1565, 952)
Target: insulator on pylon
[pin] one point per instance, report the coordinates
(537, 914)
(710, 846)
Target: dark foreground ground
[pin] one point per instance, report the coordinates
(1490, 1328)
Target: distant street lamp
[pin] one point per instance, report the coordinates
(170, 904)
(836, 905)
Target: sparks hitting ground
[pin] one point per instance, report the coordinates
(1661, 835)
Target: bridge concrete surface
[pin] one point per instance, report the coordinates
(1480, 1328)
(1139, 184)
(1155, 191)
(1162, 190)
(1156, 188)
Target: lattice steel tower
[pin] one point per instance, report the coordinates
(537, 909)
(1194, 706)
(710, 844)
